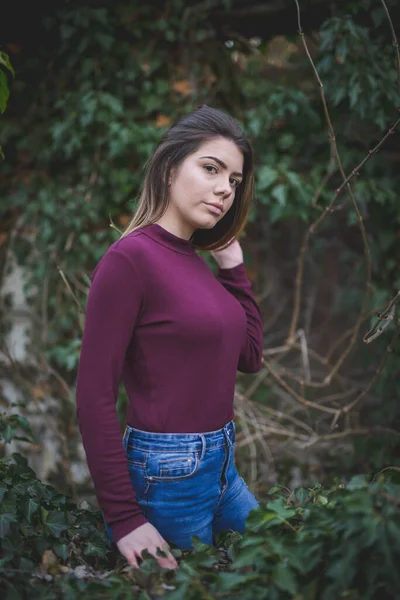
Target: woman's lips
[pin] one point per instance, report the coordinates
(214, 209)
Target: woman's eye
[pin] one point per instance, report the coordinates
(235, 181)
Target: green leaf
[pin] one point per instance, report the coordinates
(279, 192)
(268, 517)
(5, 520)
(275, 489)
(246, 557)
(4, 91)
(322, 499)
(230, 581)
(266, 176)
(6, 557)
(29, 507)
(8, 432)
(26, 564)
(56, 522)
(3, 490)
(294, 179)
(275, 212)
(302, 494)
(278, 506)
(355, 92)
(62, 551)
(12, 592)
(284, 579)
(357, 482)
(5, 61)
(24, 424)
(9, 502)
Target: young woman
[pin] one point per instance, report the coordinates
(158, 318)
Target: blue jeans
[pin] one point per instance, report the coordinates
(187, 484)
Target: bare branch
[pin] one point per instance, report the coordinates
(378, 372)
(294, 394)
(385, 318)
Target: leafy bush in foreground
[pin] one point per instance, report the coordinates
(310, 544)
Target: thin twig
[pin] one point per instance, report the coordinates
(294, 394)
(329, 172)
(329, 209)
(346, 180)
(304, 355)
(385, 318)
(394, 41)
(378, 372)
(348, 433)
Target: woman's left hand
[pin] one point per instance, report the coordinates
(230, 257)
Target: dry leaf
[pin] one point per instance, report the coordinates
(124, 220)
(163, 120)
(37, 392)
(182, 87)
(49, 562)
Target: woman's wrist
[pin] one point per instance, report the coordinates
(229, 265)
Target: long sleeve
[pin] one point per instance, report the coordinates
(115, 299)
(236, 282)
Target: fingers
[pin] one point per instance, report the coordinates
(133, 561)
(146, 537)
(168, 562)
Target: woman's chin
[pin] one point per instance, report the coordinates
(207, 221)
(206, 225)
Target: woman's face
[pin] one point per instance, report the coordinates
(209, 176)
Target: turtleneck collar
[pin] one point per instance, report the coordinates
(168, 239)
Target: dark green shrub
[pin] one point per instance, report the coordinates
(309, 544)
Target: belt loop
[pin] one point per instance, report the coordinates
(226, 433)
(233, 431)
(124, 440)
(203, 444)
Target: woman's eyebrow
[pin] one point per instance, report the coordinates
(222, 164)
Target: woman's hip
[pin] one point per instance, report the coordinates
(183, 468)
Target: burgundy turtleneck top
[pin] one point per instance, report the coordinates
(176, 334)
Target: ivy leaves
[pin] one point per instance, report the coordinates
(312, 543)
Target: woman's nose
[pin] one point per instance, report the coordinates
(223, 188)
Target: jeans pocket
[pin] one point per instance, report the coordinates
(172, 466)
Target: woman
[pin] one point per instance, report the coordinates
(157, 317)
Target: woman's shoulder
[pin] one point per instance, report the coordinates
(133, 243)
(125, 253)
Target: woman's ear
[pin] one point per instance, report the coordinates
(171, 176)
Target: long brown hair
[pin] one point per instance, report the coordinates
(182, 139)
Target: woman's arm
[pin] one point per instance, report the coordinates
(115, 299)
(236, 282)
(232, 275)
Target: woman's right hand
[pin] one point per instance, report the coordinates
(146, 537)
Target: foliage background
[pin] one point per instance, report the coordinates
(96, 84)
